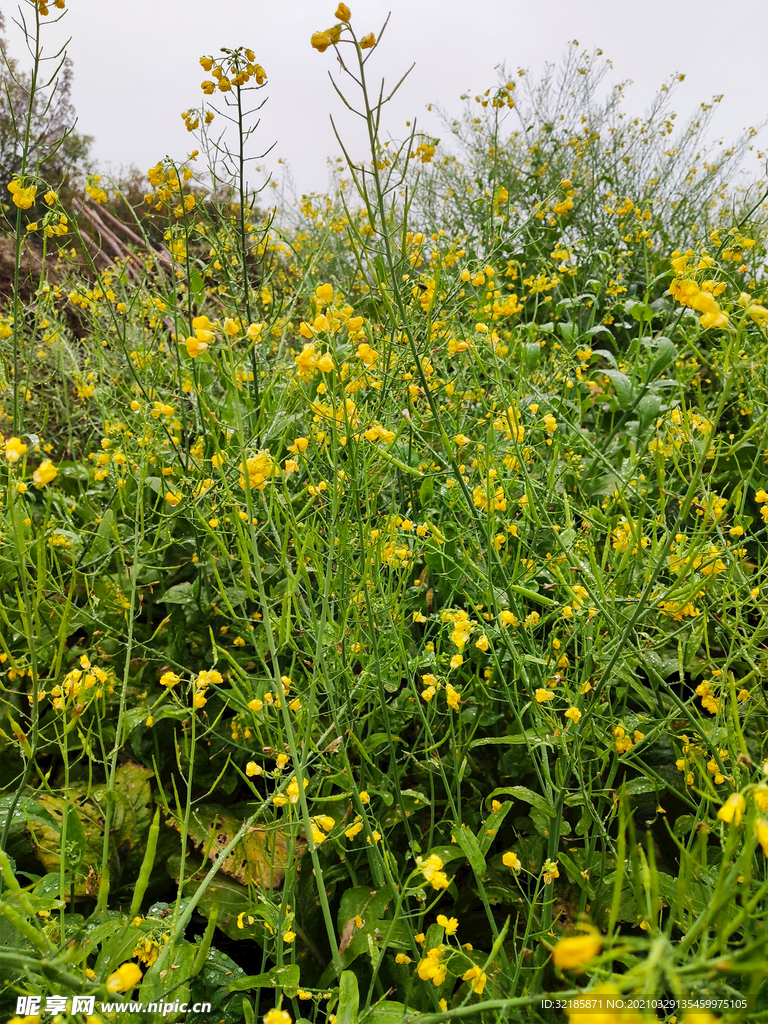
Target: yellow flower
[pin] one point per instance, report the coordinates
(572, 953)
(343, 13)
(452, 696)
(430, 968)
(402, 958)
(761, 832)
(733, 809)
(169, 679)
(172, 498)
(124, 978)
(432, 869)
(368, 42)
(508, 619)
(252, 769)
(476, 977)
(354, 830)
(45, 473)
(277, 1017)
(14, 449)
(511, 860)
(551, 871)
(600, 1012)
(196, 347)
(574, 714)
(22, 197)
(321, 41)
(450, 924)
(542, 696)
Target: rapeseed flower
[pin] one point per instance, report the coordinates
(126, 977)
(733, 809)
(573, 952)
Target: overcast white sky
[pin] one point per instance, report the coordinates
(136, 63)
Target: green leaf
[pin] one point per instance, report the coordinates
(426, 490)
(522, 793)
(471, 849)
(349, 999)
(73, 829)
(623, 385)
(666, 354)
(532, 354)
(196, 284)
(387, 1012)
(639, 311)
(492, 825)
(286, 978)
(182, 593)
(635, 786)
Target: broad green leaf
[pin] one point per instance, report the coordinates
(467, 840)
(522, 793)
(286, 978)
(349, 999)
(623, 385)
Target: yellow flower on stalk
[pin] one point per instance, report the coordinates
(551, 871)
(476, 977)
(277, 1017)
(343, 13)
(450, 924)
(600, 1012)
(172, 498)
(572, 953)
(322, 40)
(368, 42)
(169, 679)
(45, 473)
(542, 695)
(259, 468)
(430, 968)
(195, 347)
(732, 810)
(22, 197)
(512, 861)
(432, 869)
(761, 833)
(550, 423)
(574, 714)
(15, 449)
(453, 697)
(124, 978)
